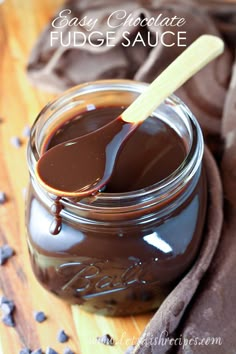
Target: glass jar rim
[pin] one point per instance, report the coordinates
(163, 189)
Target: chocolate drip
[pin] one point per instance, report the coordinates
(56, 223)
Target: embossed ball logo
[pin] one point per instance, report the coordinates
(104, 276)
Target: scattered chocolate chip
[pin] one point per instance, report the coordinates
(25, 351)
(130, 349)
(3, 197)
(6, 310)
(39, 316)
(50, 351)
(62, 337)
(37, 351)
(68, 351)
(5, 253)
(8, 320)
(16, 142)
(7, 307)
(106, 339)
(26, 131)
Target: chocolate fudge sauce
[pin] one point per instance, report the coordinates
(87, 161)
(86, 164)
(75, 163)
(121, 262)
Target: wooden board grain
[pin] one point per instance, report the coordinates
(20, 24)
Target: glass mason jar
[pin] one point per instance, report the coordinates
(117, 253)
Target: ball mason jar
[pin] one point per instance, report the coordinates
(117, 253)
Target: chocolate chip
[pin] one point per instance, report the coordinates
(8, 320)
(25, 351)
(37, 351)
(106, 339)
(8, 251)
(5, 300)
(8, 307)
(3, 197)
(130, 350)
(16, 142)
(39, 316)
(5, 253)
(26, 131)
(62, 337)
(68, 351)
(50, 351)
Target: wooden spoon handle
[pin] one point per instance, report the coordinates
(195, 57)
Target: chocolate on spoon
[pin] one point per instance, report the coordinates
(88, 161)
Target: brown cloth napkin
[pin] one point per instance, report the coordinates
(202, 304)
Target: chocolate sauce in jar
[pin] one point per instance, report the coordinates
(108, 156)
(152, 153)
(122, 251)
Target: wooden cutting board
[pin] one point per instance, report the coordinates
(21, 21)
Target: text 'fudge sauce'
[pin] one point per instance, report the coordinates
(122, 250)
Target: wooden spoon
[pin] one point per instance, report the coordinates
(84, 165)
